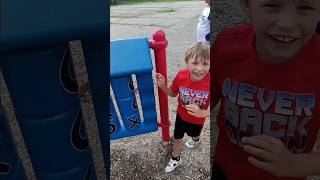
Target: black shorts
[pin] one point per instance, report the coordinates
(217, 173)
(182, 127)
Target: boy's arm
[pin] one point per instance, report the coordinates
(309, 164)
(168, 91)
(163, 86)
(197, 112)
(207, 112)
(275, 158)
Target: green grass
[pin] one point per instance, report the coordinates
(131, 2)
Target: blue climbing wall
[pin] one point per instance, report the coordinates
(47, 107)
(38, 22)
(131, 56)
(10, 163)
(36, 66)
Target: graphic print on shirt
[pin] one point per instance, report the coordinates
(192, 96)
(252, 110)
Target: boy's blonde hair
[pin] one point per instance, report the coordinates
(200, 50)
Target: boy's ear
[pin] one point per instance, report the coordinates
(245, 5)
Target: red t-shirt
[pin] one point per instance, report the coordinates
(279, 100)
(191, 93)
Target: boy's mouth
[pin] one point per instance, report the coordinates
(283, 38)
(197, 74)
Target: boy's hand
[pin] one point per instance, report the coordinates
(194, 110)
(160, 80)
(273, 155)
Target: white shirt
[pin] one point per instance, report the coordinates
(203, 27)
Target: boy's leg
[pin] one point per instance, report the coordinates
(175, 159)
(179, 131)
(194, 132)
(176, 149)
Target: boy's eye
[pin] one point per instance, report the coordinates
(271, 5)
(304, 7)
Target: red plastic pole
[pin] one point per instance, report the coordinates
(159, 43)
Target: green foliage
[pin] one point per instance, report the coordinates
(128, 2)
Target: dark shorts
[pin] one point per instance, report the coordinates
(181, 127)
(217, 173)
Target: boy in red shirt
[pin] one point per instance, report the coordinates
(266, 76)
(193, 86)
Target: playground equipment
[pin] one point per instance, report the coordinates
(36, 65)
(126, 58)
(10, 163)
(132, 56)
(159, 43)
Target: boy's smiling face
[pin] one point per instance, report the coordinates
(198, 68)
(282, 27)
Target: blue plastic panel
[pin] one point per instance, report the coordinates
(44, 75)
(125, 97)
(96, 53)
(37, 22)
(115, 126)
(47, 107)
(10, 163)
(132, 56)
(145, 84)
(129, 56)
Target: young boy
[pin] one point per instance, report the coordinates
(193, 86)
(266, 76)
(203, 27)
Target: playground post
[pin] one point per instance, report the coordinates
(159, 43)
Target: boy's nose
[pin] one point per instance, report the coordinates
(199, 67)
(286, 20)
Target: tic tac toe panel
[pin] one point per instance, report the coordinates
(131, 56)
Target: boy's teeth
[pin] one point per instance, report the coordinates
(284, 39)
